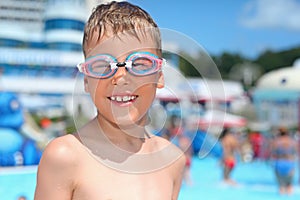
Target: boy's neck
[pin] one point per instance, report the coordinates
(126, 137)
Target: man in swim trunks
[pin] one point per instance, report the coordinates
(230, 146)
(284, 150)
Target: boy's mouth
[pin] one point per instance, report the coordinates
(123, 99)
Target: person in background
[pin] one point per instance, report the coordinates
(184, 143)
(283, 155)
(178, 135)
(22, 197)
(230, 147)
(256, 139)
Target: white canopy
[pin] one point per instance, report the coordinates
(178, 87)
(221, 118)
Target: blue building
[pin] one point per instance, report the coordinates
(40, 39)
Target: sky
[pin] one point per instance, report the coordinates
(247, 27)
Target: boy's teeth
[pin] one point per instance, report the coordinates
(125, 98)
(122, 98)
(119, 98)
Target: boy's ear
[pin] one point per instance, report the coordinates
(85, 82)
(161, 81)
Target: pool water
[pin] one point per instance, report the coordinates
(255, 181)
(17, 181)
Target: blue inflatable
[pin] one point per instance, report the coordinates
(31, 153)
(207, 143)
(10, 140)
(15, 149)
(11, 143)
(11, 114)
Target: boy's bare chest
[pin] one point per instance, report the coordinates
(104, 183)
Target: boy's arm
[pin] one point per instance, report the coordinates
(55, 171)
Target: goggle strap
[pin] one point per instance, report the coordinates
(164, 62)
(80, 68)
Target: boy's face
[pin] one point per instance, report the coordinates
(123, 99)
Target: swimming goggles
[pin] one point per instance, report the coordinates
(105, 66)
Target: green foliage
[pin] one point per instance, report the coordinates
(226, 61)
(228, 64)
(187, 67)
(198, 65)
(275, 60)
(185, 62)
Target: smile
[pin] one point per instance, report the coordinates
(122, 99)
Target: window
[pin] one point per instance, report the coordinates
(64, 24)
(65, 46)
(11, 43)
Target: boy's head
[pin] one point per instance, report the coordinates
(110, 20)
(122, 46)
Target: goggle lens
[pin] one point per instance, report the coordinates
(144, 66)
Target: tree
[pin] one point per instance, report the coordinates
(226, 61)
(270, 60)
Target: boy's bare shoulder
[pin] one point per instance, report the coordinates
(63, 144)
(62, 150)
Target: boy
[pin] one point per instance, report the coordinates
(114, 156)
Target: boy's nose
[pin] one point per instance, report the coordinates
(120, 76)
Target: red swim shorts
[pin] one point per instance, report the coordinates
(188, 162)
(229, 162)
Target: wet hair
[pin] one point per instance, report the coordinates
(120, 17)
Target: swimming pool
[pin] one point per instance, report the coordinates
(256, 181)
(16, 181)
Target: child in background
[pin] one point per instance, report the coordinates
(114, 156)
